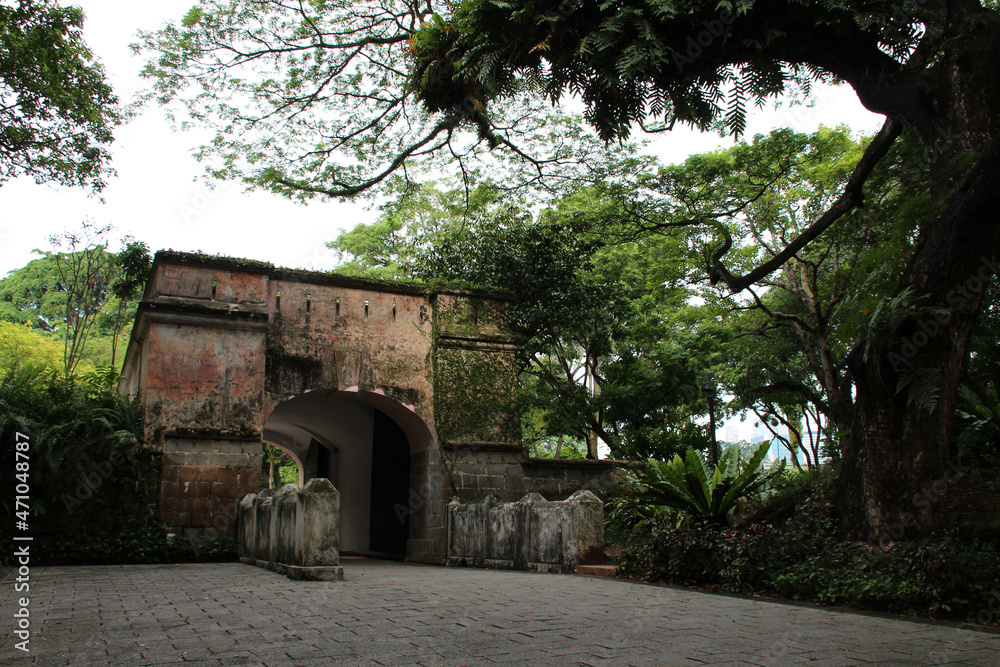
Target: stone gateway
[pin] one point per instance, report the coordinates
(403, 395)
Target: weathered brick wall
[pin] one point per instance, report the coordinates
(202, 482)
(203, 379)
(425, 508)
(557, 479)
(323, 334)
(478, 469)
(219, 343)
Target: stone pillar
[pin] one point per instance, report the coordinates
(294, 532)
(319, 524)
(589, 519)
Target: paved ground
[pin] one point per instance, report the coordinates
(398, 614)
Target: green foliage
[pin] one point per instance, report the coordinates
(89, 474)
(57, 112)
(604, 354)
(474, 399)
(684, 555)
(33, 295)
(332, 80)
(132, 265)
(416, 220)
(93, 483)
(979, 412)
(85, 269)
(635, 60)
(140, 543)
(278, 468)
(22, 346)
(686, 484)
(289, 474)
(791, 545)
(84, 297)
(979, 408)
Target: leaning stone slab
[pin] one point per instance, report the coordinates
(531, 534)
(319, 524)
(295, 531)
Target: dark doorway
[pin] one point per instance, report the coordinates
(319, 461)
(389, 526)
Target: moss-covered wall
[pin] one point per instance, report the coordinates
(220, 343)
(475, 372)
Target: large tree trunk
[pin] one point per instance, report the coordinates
(908, 368)
(907, 375)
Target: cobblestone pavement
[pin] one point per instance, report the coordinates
(404, 614)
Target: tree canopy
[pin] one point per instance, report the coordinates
(79, 293)
(345, 94)
(315, 99)
(57, 111)
(928, 67)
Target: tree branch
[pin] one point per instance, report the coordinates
(852, 198)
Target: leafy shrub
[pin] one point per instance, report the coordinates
(686, 555)
(89, 475)
(791, 546)
(86, 469)
(686, 486)
(139, 543)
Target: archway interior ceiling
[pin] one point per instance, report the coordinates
(365, 457)
(319, 415)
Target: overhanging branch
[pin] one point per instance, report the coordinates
(852, 197)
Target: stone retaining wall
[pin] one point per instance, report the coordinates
(559, 478)
(294, 532)
(479, 469)
(530, 534)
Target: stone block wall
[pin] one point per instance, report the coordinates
(202, 481)
(476, 470)
(559, 478)
(294, 531)
(530, 534)
(425, 509)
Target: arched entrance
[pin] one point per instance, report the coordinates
(369, 446)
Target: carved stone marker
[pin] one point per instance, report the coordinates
(531, 534)
(295, 531)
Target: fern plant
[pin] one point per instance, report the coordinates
(686, 486)
(980, 412)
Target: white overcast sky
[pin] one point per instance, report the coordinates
(159, 197)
